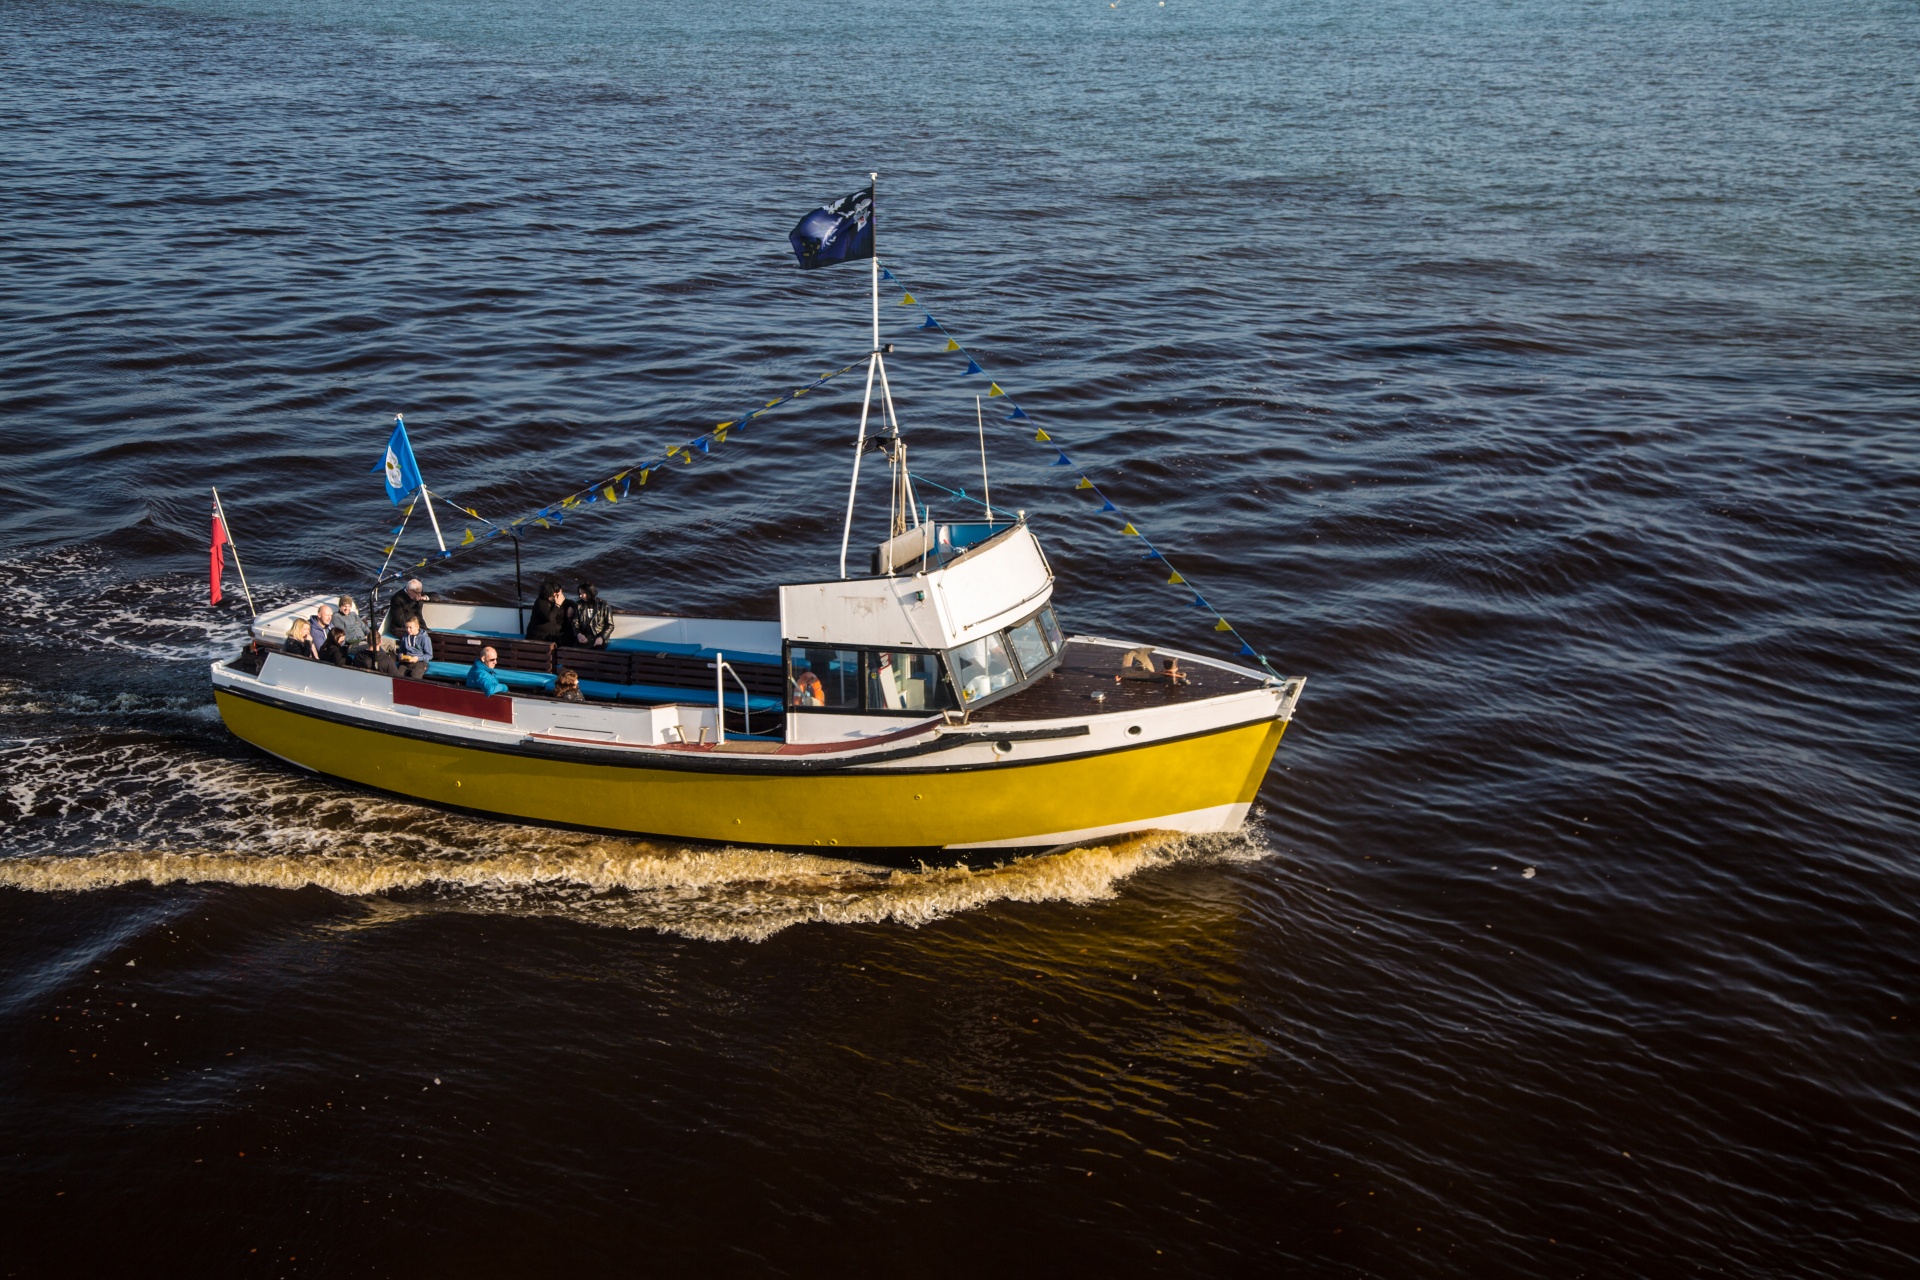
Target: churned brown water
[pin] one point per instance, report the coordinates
(1538, 381)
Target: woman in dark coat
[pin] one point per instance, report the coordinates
(549, 618)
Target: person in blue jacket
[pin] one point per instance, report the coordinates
(480, 675)
(415, 651)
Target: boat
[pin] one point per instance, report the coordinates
(930, 708)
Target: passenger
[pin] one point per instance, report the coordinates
(1136, 664)
(416, 651)
(567, 688)
(592, 619)
(335, 649)
(480, 675)
(300, 639)
(377, 657)
(320, 624)
(411, 603)
(549, 620)
(348, 619)
(807, 689)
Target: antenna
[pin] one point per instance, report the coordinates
(980, 421)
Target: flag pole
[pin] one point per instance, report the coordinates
(228, 530)
(433, 519)
(980, 421)
(873, 364)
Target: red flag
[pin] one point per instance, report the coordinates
(219, 554)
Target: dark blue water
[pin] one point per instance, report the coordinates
(1539, 381)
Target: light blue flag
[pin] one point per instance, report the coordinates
(402, 472)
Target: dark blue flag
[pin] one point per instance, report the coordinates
(839, 232)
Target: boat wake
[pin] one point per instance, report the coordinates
(714, 894)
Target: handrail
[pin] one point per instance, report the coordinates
(721, 669)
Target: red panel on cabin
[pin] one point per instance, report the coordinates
(459, 702)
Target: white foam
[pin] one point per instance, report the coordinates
(701, 893)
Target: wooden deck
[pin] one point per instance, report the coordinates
(1088, 669)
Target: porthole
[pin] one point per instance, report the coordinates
(1003, 746)
(1134, 730)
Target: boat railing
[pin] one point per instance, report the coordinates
(721, 670)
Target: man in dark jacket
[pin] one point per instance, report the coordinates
(592, 619)
(549, 618)
(411, 603)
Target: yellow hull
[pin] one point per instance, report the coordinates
(1003, 804)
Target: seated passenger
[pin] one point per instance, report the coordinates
(1137, 664)
(592, 619)
(480, 675)
(411, 603)
(416, 651)
(548, 622)
(348, 619)
(377, 657)
(567, 688)
(300, 639)
(335, 649)
(320, 624)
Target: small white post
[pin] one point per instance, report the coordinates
(720, 695)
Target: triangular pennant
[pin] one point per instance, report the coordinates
(468, 540)
(722, 426)
(706, 444)
(885, 274)
(1246, 650)
(993, 389)
(1040, 435)
(569, 502)
(973, 367)
(1222, 625)
(607, 493)
(1176, 579)
(1129, 530)
(1153, 555)
(906, 300)
(772, 403)
(1198, 603)
(931, 322)
(593, 497)
(1084, 483)
(1018, 415)
(720, 436)
(1106, 504)
(1062, 460)
(386, 551)
(952, 345)
(470, 511)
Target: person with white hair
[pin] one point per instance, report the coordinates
(411, 603)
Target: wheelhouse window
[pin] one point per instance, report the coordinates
(906, 680)
(1029, 645)
(1051, 626)
(982, 668)
(827, 678)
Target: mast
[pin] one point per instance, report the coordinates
(873, 366)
